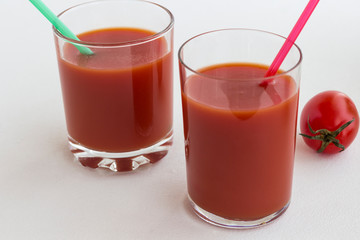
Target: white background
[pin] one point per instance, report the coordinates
(45, 195)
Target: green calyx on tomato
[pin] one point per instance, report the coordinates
(327, 136)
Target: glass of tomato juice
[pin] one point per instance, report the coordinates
(118, 100)
(239, 132)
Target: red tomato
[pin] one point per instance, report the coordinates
(329, 122)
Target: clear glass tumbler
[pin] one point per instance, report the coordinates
(118, 100)
(239, 127)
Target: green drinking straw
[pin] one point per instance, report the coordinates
(59, 25)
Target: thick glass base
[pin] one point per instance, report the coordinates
(235, 224)
(121, 162)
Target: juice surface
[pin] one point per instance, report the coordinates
(239, 143)
(120, 98)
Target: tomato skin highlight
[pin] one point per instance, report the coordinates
(330, 110)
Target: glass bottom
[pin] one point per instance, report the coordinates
(235, 224)
(120, 162)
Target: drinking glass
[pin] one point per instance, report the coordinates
(239, 127)
(118, 100)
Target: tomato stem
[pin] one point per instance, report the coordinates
(326, 136)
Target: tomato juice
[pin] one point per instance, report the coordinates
(239, 144)
(120, 98)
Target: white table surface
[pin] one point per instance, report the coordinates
(44, 194)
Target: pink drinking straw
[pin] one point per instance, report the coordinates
(275, 65)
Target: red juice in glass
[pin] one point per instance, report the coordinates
(239, 135)
(113, 104)
(238, 150)
(118, 100)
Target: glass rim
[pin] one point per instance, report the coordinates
(116, 44)
(283, 73)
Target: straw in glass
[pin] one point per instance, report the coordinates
(59, 25)
(274, 67)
